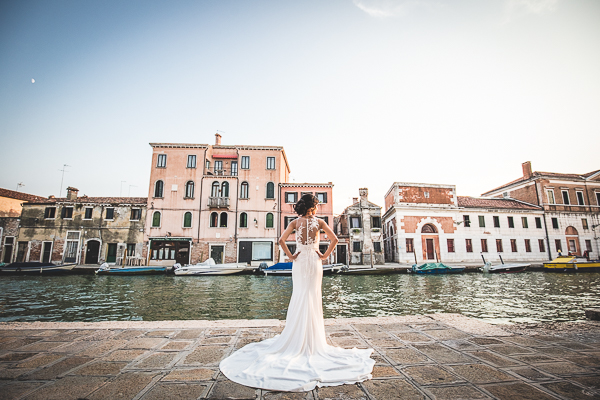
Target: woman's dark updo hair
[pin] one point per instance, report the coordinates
(305, 203)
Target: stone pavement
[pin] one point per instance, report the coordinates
(440, 356)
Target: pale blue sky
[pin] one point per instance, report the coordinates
(361, 93)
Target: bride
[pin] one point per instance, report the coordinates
(299, 358)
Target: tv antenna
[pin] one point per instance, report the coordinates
(64, 169)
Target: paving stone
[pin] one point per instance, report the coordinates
(42, 346)
(344, 334)
(446, 334)
(16, 344)
(585, 360)
(128, 334)
(144, 343)
(13, 373)
(217, 340)
(176, 345)
(413, 337)
(74, 347)
(430, 375)
(592, 382)
(351, 343)
(576, 346)
(189, 334)
(533, 358)
(247, 340)
(456, 392)
(479, 373)
(531, 373)
(12, 357)
(287, 395)
(124, 386)
(443, 354)
(100, 348)
(548, 338)
(493, 358)
(379, 358)
(102, 334)
(206, 355)
(343, 392)
(484, 341)
(100, 368)
(226, 389)
(521, 391)
(524, 341)
(405, 356)
(14, 390)
(422, 326)
(462, 345)
(507, 349)
(396, 327)
(39, 361)
(155, 361)
(570, 391)
(161, 333)
(59, 368)
(391, 389)
(179, 391)
(70, 387)
(380, 371)
(369, 329)
(385, 343)
(191, 374)
(70, 336)
(124, 355)
(562, 368)
(221, 332)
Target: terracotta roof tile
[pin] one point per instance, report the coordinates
(474, 202)
(539, 174)
(12, 194)
(95, 200)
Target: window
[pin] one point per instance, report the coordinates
(110, 213)
(322, 197)
(270, 162)
(245, 162)
(499, 245)
(191, 163)
(524, 222)
(484, 247)
(130, 249)
(218, 167)
(377, 247)
(580, 199)
(426, 194)
(550, 194)
(356, 247)
(187, 220)
(234, 169)
(244, 190)
(207, 165)
(291, 197)
(410, 248)
(161, 161)
(136, 214)
(558, 245)
(482, 221)
(214, 219)
(355, 222)
(189, 190)
(496, 222)
(270, 190)
(326, 219)
(528, 245)
(513, 245)
(375, 222)
(87, 214)
(588, 245)
(155, 219)
(269, 220)
(511, 222)
(287, 220)
(538, 222)
(243, 220)
(450, 243)
(466, 221)
(542, 245)
(214, 189)
(555, 223)
(223, 220)
(469, 245)
(67, 213)
(584, 223)
(565, 196)
(225, 189)
(50, 212)
(159, 188)
(598, 198)
(262, 251)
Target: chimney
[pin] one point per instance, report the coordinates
(72, 193)
(527, 169)
(364, 193)
(355, 200)
(217, 139)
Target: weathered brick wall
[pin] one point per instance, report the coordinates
(527, 194)
(35, 250)
(417, 194)
(57, 250)
(199, 252)
(410, 223)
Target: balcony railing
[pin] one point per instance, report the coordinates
(218, 202)
(222, 171)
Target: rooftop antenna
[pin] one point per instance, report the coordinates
(63, 178)
(20, 184)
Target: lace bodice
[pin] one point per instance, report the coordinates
(307, 231)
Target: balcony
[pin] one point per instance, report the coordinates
(218, 202)
(215, 171)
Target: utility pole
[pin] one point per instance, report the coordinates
(63, 178)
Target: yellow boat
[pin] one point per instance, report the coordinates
(571, 264)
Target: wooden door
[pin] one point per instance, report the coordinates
(216, 253)
(111, 254)
(92, 252)
(341, 254)
(46, 252)
(430, 249)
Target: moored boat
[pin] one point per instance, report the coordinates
(105, 269)
(35, 268)
(572, 264)
(285, 268)
(436, 268)
(504, 268)
(346, 270)
(209, 267)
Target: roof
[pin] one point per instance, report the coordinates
(549, 175)
(12, 194)
(93, 200)
(306, 185)
(475, 202)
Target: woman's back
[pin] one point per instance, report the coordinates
(307, 230)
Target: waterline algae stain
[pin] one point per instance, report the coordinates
(501, 298)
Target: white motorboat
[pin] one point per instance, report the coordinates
(209, 267)
(510, 267)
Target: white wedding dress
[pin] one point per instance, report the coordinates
(299, 358)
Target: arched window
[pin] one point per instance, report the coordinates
(269, 221)
(428, 228)
(158, 188)
(189, 189)
(571, 231)
(187, 220)
(244, 190)
(243, 220)
(214, 191)
(223, 223)
(214, 217)
(270, 190)
(225, 189)
(156, 219)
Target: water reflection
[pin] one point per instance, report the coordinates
(497, 298)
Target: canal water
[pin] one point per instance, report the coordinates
(495, 298)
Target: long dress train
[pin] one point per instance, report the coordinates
(299, 358)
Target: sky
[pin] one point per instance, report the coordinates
(361, 93)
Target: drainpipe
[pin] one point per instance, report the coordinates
(540, 200)
(237, 199)
(200, 201)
